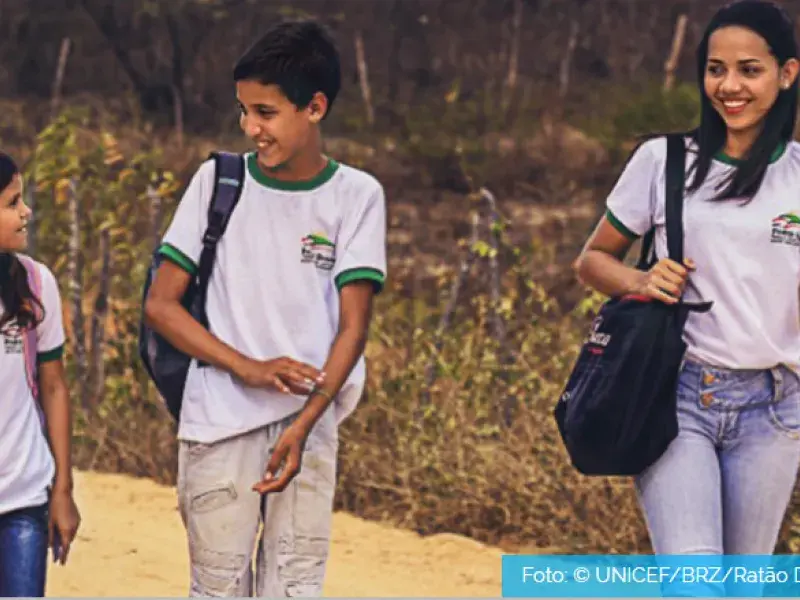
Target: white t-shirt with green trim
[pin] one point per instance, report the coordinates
(26, 463)
(747, 255)
(288, 249)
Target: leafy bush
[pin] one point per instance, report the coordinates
(429, 448)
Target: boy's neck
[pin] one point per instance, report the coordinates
(302, 167)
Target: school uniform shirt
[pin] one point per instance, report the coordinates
(274, 290)
(747, 254)
(26, 463)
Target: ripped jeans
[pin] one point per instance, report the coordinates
(241, 545)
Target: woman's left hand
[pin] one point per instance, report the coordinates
(64, 522)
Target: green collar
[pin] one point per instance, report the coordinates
(729, 160)
(291, 186)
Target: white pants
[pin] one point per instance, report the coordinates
(240, 543)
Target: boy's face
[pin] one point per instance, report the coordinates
(279, 129)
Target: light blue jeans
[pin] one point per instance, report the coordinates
(724, 484)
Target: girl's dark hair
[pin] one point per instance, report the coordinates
(771, 23)
(15, 293)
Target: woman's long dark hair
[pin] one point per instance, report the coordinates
(771, 23)
(15, 293)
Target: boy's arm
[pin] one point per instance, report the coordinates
(348, 345)
(182, 247)
(359, 274)
(164, 312)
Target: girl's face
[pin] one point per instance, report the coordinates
(742, 77)
(14, 217)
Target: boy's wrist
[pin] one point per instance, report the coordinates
(237, 364)
(318, 400)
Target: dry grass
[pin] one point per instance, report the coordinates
(435, 458)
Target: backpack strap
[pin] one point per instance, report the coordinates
(29, 335)
(228, 184)
(675, 183)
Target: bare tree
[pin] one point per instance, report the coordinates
(675, 52)
(363, 77)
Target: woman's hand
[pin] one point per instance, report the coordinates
(665, 281)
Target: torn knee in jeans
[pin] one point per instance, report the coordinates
(219, 573)
(301, 566)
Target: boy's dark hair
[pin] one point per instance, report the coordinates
(773, 24)
(15, 293)
(298, 56)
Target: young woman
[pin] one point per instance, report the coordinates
(724, 484)
(37, 510)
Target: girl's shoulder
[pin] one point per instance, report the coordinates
(793, 149)
(788, 162)
(39, 274)
(649, 157)
(655, 147)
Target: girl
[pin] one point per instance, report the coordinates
(725, 482)
(37, 509)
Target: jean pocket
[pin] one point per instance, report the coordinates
(213, 498)
(195, 451)
(785, 414)
(687, 386)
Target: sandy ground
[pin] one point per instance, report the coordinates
(132, 543)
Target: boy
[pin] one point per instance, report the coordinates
(289, 304)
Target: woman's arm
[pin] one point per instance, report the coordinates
(600, 267)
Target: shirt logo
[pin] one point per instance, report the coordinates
(319, 250)
(12, 338)
(786, 229)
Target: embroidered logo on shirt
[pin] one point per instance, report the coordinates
(12, 339)
(319, 250)
(786, 229)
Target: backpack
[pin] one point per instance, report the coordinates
(29, 339)
(167, 366)
(617, 412)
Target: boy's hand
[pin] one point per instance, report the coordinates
(284, 374)
(287, 455)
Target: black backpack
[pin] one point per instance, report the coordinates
(617, 413)
(166, 365)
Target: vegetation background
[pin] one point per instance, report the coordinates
(496, 126)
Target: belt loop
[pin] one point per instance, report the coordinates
(777, 384)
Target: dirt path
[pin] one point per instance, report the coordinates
(132, 544)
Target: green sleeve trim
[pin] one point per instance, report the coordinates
(619, 226)
(361, 273)
(54, 354)
(179, 258)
